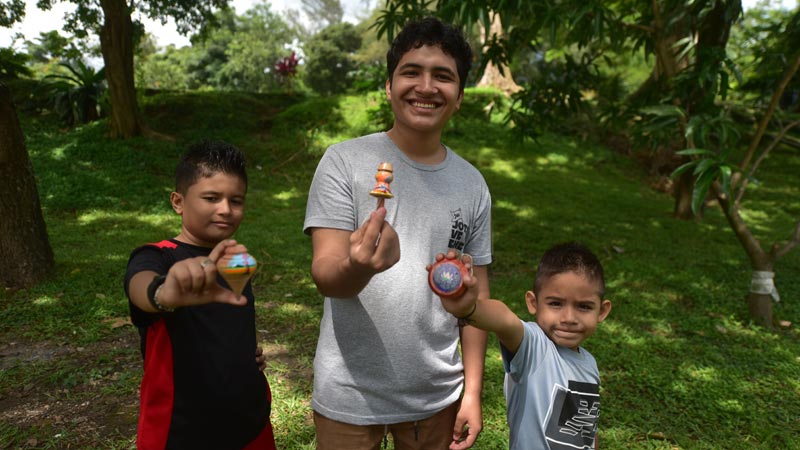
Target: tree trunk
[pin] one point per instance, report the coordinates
(491, 74)
(760, 307)
(759, 304)
(683, 196)
(116, 43)
(26, 254)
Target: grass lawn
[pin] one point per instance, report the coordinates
(681, 365)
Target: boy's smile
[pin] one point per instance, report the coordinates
(568, 308)
(211, 209)
(424, 90)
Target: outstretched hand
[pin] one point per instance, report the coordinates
(462, 305)
(194, 281)
(374, 246)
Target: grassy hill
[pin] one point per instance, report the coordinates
(681, 366)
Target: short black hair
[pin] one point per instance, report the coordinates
(433, 32)
(569, 257)
(206, 158)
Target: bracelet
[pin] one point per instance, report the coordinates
(152, 293)
(463, 321)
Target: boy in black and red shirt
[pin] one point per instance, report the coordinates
(202, 388)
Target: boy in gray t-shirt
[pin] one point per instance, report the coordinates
(387, 358)
(552, 384)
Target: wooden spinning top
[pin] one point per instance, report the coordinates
(383, 178)
(446, 278)
(237, 269)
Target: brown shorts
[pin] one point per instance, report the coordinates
(433, 433)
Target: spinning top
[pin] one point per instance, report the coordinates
(237, 269)
(446, 278)
(383, 178)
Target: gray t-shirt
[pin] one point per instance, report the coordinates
(552, 393)
(391, 353)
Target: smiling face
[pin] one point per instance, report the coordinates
(211, 209)
(424, 90)
(568, 308)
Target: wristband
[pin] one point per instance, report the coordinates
(152, 293)
(462, 321)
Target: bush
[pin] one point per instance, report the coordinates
(329, 64)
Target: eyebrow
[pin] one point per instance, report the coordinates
(411, 65)
(586, 300)
(213, 192)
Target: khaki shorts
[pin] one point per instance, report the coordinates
(433, 433)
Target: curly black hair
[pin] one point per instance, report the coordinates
(432, 32)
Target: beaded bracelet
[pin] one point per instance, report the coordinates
(152, 293)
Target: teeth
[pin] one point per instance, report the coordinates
(424, 105)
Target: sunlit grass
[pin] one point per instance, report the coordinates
(682, 367)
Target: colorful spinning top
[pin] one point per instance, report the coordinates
(383, 178)
(237, 269)
(446, 278)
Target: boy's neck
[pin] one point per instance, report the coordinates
(425, 148)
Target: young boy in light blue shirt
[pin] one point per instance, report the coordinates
(552, 384)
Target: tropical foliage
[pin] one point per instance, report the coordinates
(77, 96)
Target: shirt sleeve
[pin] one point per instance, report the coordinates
(531, 352)
(330, 198)
(145, 258)
(479, 245)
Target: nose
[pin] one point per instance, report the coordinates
(426, 84)
(224, 207)
(568, 315)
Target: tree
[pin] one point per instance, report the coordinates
(240, 52)
(168, 69)
(112, 21)
(727, 177)
(11, 12)
(13, 64)
(260, 39)
(323, 13)
(51, 45)
(494, 76)
(681, 108)
(329, 61)
(687, 40)
(27, 255)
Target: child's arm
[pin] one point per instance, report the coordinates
(486, 314)
(344, 262)
(189, 282)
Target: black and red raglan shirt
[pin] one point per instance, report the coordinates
(201, 387)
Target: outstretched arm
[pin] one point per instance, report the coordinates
(481, 312)
(344, 261)
(189, 282)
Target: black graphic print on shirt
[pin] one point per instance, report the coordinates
(458, 231)
(572, 423)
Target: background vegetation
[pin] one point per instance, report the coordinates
(682, 366)
(682, 363)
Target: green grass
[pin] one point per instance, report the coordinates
(682, 367)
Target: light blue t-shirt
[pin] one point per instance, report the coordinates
(552, 394)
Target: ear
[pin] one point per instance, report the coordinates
(530, 300)
(388, 89)
(176, 200)
(605, 308)
(460, 98)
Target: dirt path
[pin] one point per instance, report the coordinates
(58, 395)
